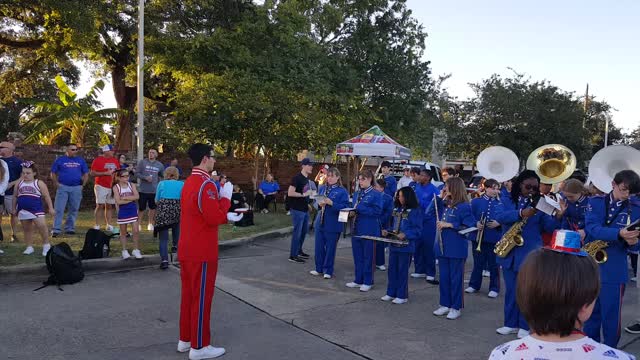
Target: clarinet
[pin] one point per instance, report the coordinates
(355, 217)
(327, 191)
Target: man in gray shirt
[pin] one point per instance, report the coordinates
(149, 172)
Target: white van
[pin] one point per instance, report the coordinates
(398, 166)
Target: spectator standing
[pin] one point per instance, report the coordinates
(267, 192)
(123, 161)
(321, 177)
(15, 170)
(168, 214)
(298, 194)
(406, 179)
(174, 163)
(4, 181)
(149, 172)
(70, 174)
(102, 168)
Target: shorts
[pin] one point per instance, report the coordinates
(147, 199)
(7, 204)
(103, 195)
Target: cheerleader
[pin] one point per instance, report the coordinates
(327, 227)
(407, 218)
(368, 208)
(517, 207)
(385, 218)
(457, 216)
(126, 198)
(28, 206)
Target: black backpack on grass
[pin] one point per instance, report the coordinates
(64, 267)
(94, 245)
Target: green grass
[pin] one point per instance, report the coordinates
(148, 244)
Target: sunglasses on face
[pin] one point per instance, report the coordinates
(73, 149)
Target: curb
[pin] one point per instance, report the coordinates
(38, 272)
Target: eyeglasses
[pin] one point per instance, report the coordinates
(73, 149)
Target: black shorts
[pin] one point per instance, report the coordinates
(145, 199)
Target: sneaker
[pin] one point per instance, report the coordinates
(137, 254)
(314, 273)
(442, 310)
(164, 265)
(1, 252)
(453, 314)
(399, 301)
(55, 234)
(386, 298)
(288, 213)
(297, 260)
(365, 288)
(70, 232)
(353, 285)
(96, 227)
(505, 330)
(417, 276)
(208, 352)
(485, 273)
(150, 227)
(14, 238)
(109, 228)
(125, 254)
(522, 333)
(28, 251)
(432, 280)
(493, 294)
(633, 329)
(45, 249)
(304, 255)
(381, 267)
(327, 276)
(635, 278)
(470, 290)
(183, 346)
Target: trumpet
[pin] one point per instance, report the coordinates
(480, 234)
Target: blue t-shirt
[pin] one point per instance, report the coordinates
(15, 170)
(169, 189)
(69, 170)
(269, 187)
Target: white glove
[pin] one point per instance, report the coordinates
(227, 190)
(234, 217)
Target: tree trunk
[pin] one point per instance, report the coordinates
(126, 98)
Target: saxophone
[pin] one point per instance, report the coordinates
(596, 249)
(510, 239)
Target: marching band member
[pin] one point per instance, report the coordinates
(368, 208)
(446, 174)
(606, 219)
(408, 214)
(327, 227)
(505, 189)
(456, 217)
(415, 179)
(573, 206)
(385, 218)
(424, 257)
(390, 180)
(486, 208)
(518, 207)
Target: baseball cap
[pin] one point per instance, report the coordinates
(214, 173)
(306, 161)
(107, 147)
(8, 145)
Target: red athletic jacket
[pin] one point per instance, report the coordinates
(202, 211)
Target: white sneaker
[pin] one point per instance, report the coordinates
(522, 333)
(386, 298)
(635, 278)
(125, 254)
(399, 301)
(96, 227)
(505, 330)
(208, 352)
(431, 278)
(470, 290)
(485, 273)
(365, 288)
(109, 228)
(28, 250)
(1, 252)
(314, 273)
(150, 227)
(493, 294)
(136, 253)
(45, 249)
(381, 267)
(442, 310)
(327, 276)
(352, 285)
(453, 314)
(183, 346)
(288, 213)
(417, 276)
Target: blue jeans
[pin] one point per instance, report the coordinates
(163, 235)
(67, 197)
(300, 226)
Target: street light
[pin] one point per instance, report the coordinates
(140, 79)
(606, 129)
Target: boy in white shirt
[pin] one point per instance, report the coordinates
(556, 293)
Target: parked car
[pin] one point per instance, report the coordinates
(398, 166)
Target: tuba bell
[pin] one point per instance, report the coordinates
(498, 163)
(610, 160)
(552, 162)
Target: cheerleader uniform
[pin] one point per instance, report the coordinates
(29, 200)
(400, 255)
(127, 213)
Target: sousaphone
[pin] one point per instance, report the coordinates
(552, 162)
(610, 160)
(498, 163)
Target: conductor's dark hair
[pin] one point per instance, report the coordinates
(198, 151)
(410, 199)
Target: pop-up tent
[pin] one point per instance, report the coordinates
(371, 143)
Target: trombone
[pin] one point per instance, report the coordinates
(480, 234)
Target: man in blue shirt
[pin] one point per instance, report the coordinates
(69, 173)
(15, 170)
(392, 184)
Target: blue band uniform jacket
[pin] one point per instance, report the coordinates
(574, 217)
(455, 246)
(488, 207)
(368, 212)
(410, 225)
(340, 198)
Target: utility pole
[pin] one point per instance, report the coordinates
(140, 79)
